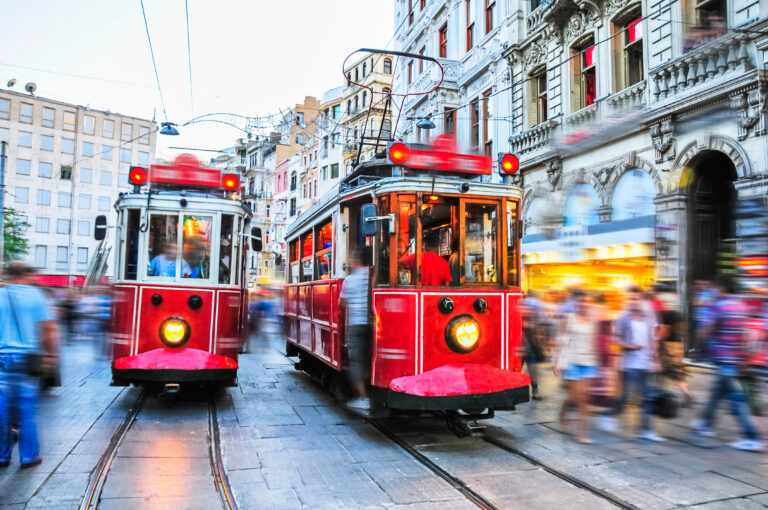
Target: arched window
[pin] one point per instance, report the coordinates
(349, 79)
(581, 206)
(357, 74)
(349, 106)
(293, 181)
(357, 105)
(355, 133)
(537, 215)
(365, 69)
(365, 99)
(633, 195)
(387, 66)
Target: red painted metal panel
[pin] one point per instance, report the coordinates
(321, 302)
(227, 329)
(124, 313)
(435, 350)
(290, 299)
(174, 304)
(515, 349)
(305, 301)
(396, 327)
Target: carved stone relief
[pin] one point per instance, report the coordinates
(534, 55)
(580, 22)
(554, 172)
(746, 106)
(612, 6)
(663, 138)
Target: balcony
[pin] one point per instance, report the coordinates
(585, 115)
(706, 66)
(629, 98)
(536, 139)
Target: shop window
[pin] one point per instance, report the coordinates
(583, 75)
(406, 240)
(581, 206)
(633, 196)
(703, 21)
(480, 243)
(225, 248)
(323, 249)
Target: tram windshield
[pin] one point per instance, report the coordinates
(191, 259)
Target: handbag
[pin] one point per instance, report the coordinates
(33, 361)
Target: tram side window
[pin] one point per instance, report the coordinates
(323, 248)
(439, 241)
(196, 245)
(406, 241)
(236, 260)
(131, 256)
(513, 269)
(382, 248)
(225, 248)
(480, 243)
(295, 261)
(307, 252)
(164, 247)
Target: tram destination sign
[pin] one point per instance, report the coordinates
(185, 170)
(441, 156)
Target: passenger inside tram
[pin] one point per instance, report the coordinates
(164, 264)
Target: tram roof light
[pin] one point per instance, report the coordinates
(138, 176)
(230, 182)
(508, 163)
(399, 153)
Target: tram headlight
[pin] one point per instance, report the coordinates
(462, 334)
(174, 332)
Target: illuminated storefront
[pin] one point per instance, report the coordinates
(587, 253)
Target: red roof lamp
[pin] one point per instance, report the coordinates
(138, 176)
(509, 164)
(230, 182)
(399, 153)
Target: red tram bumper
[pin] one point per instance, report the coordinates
(467, 386)
(174, 366)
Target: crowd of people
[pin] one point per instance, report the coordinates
(608, 356)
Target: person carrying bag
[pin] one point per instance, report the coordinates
(26, 324)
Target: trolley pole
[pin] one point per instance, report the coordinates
(3, 145)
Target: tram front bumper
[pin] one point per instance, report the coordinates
(176, 365)
(467, 386)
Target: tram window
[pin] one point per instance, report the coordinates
(513, 270)
(196, 245)
(382, 248)
(480, 243)
(323, 247)
(164, 247)
(131, 255)
(406, 241)
(307, 252)
(225, 248)
(236, 252)
(295, 261)
(439, 242)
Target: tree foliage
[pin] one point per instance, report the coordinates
(16, 244)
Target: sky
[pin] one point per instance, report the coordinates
(249, 57)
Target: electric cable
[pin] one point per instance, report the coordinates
(154, 63)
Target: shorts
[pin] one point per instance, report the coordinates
(357, 340)
(579, 372)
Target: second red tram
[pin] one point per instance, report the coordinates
(179, 314)
(444, 281)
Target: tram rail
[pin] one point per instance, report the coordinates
(477, 498)
(100, 473)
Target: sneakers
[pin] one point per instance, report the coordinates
(748, 445)
(36, 462)
(701, 427)
(650, 435)
(363, 404)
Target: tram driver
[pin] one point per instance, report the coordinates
(164, 264)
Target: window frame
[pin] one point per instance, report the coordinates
(487, 141)
(31, 115)
(68, 120)
(104, 129)
(474, 133)
(44, 120)
(443, 41)
(86, 130)
(490, 5)
(5, 114)
(470, 25)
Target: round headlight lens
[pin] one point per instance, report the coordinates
(174, 332)
(462, 334)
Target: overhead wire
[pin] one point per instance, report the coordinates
(189, 62)
(154, 63)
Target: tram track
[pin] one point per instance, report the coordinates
(99, 475)
(476, 497)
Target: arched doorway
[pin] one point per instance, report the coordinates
(711, 200)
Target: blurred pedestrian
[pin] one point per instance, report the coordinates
(636, 336)
(577, 361)
(28, 348)
(671, 344)
(69, 316)
(354, 300)
(725, 325)
(532, 344)
(704, 294)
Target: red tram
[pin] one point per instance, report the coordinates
(439, 342)
(179, 314)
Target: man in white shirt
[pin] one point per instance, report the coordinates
(354, 300)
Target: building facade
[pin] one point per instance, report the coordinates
(638, 124)
(65, 165)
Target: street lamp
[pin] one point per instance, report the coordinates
(425, 123)
(168, 128)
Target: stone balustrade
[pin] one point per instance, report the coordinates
(700, 66)
(586, 114)
(534, 18)
(630, 97)
(536, 138)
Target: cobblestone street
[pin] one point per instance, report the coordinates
(286, 444)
